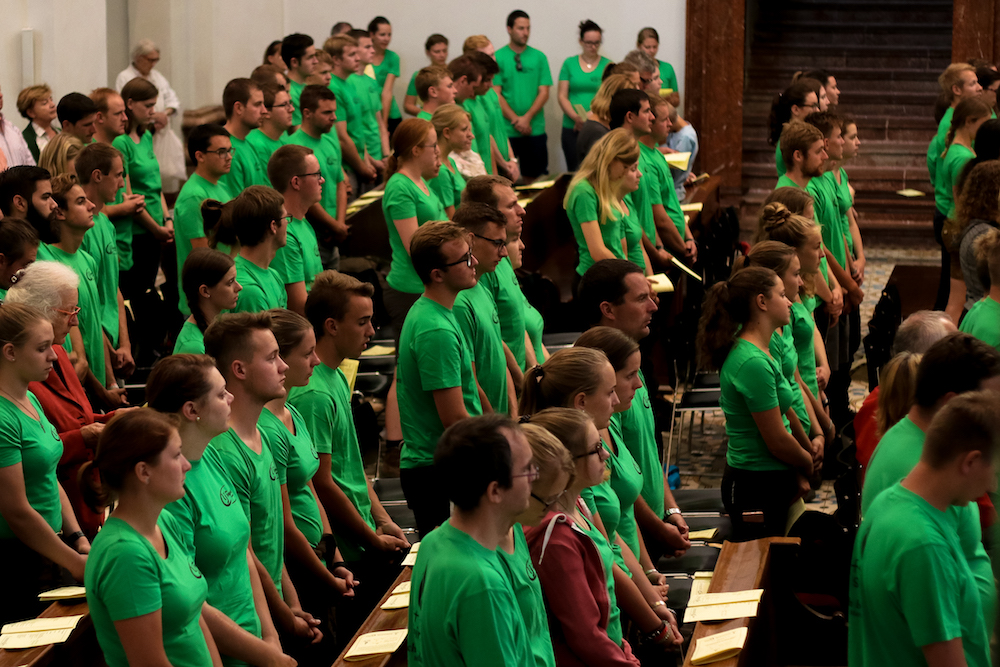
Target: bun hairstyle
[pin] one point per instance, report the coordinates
(565, 374)
(781, 107)
(967, 110)
(130, 438)
(588, 26)
(777, 223)
(772, 255)
(727, 307)
(177, 379)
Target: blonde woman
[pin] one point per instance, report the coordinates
(598, 205)
(59, 155)
(454, 134)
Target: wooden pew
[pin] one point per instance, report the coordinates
(379, 619)
(368, 236)
(706, 193)
(80, 650)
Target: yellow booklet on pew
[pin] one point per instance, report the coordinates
(22, 640)
(719, 647)
(379, 351)
(721, 612)
(402, 588)
(683, 267)
(732, 597)
(42, 624)
(706, 534)
(376, 643)
(665, 91)
(396, 601)
(678, 161)
(537, 185)
(691, 208)
(661, 283)
(411, 558)
(64, 593)
(350, 369)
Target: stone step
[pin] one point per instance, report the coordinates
(888, 154)
(835, 58)
(820, 35)
(868, 178)
(777, 79)
(877, 122)
(937, 13)
(868, 131)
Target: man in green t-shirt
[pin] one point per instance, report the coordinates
(467, 78)
(298, 51)
(435, 88)
(914, 600)
(370, 99)
(273, 131)
(663, 196)
(246, 353)
(343, 49)
(523, 86)
(488, 99)
(243, 103)
(467, 614)
(436, 384)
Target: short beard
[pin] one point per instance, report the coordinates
(48, 230)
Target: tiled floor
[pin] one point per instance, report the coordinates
(702, 461)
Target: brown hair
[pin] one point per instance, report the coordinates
(966, 423)
(410, 134)
(951, 77)
(569, 425)
(267, 74)
(966, 110)
(600, 106)
(980, 195)
(798, 136)
(101, 97)
(31, 95)
(987, 251)
(139, 90)
(615, 344)
(229, 338)
(95, 156)
(726, 309)
(15, 320)
(285, 164)
(246, 219)
(204, 266)
(482, 189)
(61, 185)
(289, 329)
(548, 452)
(431, 75)
(426, 243)
(60, 151)
(329, 297)
(565, 374)
(177, 379)
(474, 43)
(897, 389)
(334, 46)
(772, 255)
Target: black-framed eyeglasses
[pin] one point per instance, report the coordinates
(288, 219)
(432, 146)
(597, 43)
(497, 243)
(549, 503)
(597, 451)
(317, 174)
(517, 62)
(467, 260)
(223, 152)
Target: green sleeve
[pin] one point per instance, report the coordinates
(251, 300)
(398, 203)
(278, 441)
(546, 74)
(412, 88)
(287, 262)
(673, 207)
(239, 475)
(439, 359)
(583, 205)
(10, 441)
(392, 62)
(442, 187)
(927, 583)
(317, 412)
(756, 382)
(564, 73)
(187, 218)
(182, 513)
(129, 582)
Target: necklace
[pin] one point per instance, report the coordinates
(26, 408)
(589, 65)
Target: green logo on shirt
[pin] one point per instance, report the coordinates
(273, 472)
(89, 275)
(496, 317)
(194, 570)
(226, 496)
(110, 249)
(530, 571)
(645, 402)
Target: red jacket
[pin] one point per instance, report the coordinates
(66, 405)
(572, 576)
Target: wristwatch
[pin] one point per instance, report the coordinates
(673, 510)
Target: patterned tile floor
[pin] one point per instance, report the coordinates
(702, 462)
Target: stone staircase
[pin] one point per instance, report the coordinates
(886, 55)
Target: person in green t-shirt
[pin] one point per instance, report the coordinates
(482, 51)
(435, 88)
(295, 173)
(983, 319)
(370, 101)
(246, 354)
(298, 52)
(914, 599)
(468, 76)
(210, 289)
(649, 41)
(436, 49)
(385, 67)
(273, 131)
(210, 149)
(144, 590)
(243, 103)
(662, 193)
(470, 615)
(795, 103)
(579, 79)
(523, 85)
(343, 49)
(211, 526)
(436, 383)
(767, 468)
(476, 308)
(453, 125)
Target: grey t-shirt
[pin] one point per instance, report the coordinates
(683, 140)
(974, 289)
(590, 134)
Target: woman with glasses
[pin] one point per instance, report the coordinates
(579, 80)
(453, 126)
(798, 101)
(572, 557)
(210, 288)
(258, 221)
(649, 41)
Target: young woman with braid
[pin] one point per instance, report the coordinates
(211, 288)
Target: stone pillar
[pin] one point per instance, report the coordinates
(976, 30)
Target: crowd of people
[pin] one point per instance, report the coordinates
(230, 519)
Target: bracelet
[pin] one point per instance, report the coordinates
(658, 636)
(673, 510)
(73, 537)
(652, 570)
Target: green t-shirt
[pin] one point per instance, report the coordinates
(297, 461)
(535, 325)
(640, 437)
(190, 340)
(944, 125)
(583, 85)
(627, 483)
(263, 147)
(89, 301)
(506, 290)
(411, 87)
(803, 327)
(295, 92)
(325, 406)
(782, 348)
(911, 586)
(520, 85)
(405, 199)
(481, 130)
(99, 242)
(433, 354)
(348, 110)
(255, 480)
(983, 322)
(468, 614)
(143, 173)
(663, 189)
(584, 206)
(947, 177)
(477, 316)
(842, 192)
(648, 192)
(424, 115)
(828, 216)
(606, 552)
(779, 162)
(123, 229)
(498, 124)
(528, 592)
(298, 260)
(369, 101)
(212, 527)
(34, 444)
(262, 288)
(126, 578)
(188, 223)
(602, 500)
(633, 233)
(327, 151)
(751, 381)
(668, 76)
(934, 149)
(389, 65)
(245, 169)
(785, 181)
(448, 185)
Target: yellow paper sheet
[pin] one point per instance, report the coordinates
(42, 624)
(665, 91)
(690, 208)
(538, 185)
(32, 639)
(378, 351)
(678, 160)
(721, 612)
(661, 283)
(704, 574)
(350, 369)
(910, 192)
(706, 534)
(680, 265)
(411, 558)
(523, 203)
(64, 593)
(371, 194)
(369, 71)
(730, 597)
(402, 588)
(719, 647)
(375, 643)
(700, 586)
(580, 111)
(400, 601)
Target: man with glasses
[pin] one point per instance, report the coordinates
(243, 103)
(298, 51)
(523, 85)
(294, 172)
(476, 308)
(328, 215)
(649, 70)
(462, 609)
(211, 151)
(273, 131)
(436, 383)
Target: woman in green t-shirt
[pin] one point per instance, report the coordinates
(595, 201)
(436, 48)
(386, 67)
(579, 79)
(144, 590)
(210, 287)
(453, 126)
(649, 41)
(34, 508)
(767, 469)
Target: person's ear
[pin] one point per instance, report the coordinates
(607, 310)
(580, 401)
(239, 369)
(330, 327)
(8, 352)
(494, 493)
(204, 292)
(142, 472)
(761, 301)
(189, 412)
(801, 155)
(19, 203)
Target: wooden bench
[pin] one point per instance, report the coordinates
(80, 650)
(707, 194)
(380, 619)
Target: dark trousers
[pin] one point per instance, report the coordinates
(145, 263)
(28, 574)
(770, 492)
(533, 154)
(319, 600)
(944, 282)
(569, 137)
(426, 496)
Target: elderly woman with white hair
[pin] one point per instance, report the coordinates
(166, 144)
(51, 287)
